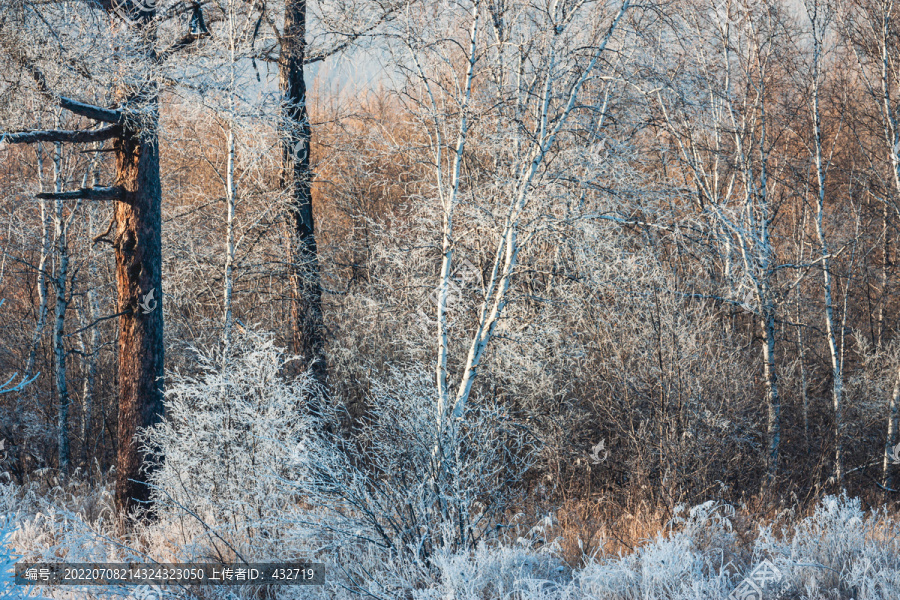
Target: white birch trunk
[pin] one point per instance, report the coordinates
(837, 372)
(230, 189)
(41, 273)
(887, 478)
(893, 148)
(497, 289)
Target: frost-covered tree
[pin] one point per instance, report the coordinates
(714, 85)
(507, 88)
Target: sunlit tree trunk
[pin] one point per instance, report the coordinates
(138, 250)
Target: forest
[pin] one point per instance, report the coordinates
(454, 299)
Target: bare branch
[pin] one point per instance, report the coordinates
(62, 135)
(90, 111)
(98, 193)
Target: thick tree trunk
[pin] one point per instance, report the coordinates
(139, 283)
(306, 290)
(138, 249)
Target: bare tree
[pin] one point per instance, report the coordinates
(306, 37)
(869, 28)
(60, 280)
(720, 118)
(820, 17)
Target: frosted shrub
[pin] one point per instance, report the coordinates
(230, 437)
(409, 488)
(7, 558)
(838, 552)
(249, 474)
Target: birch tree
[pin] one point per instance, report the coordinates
(223, 96)
(869, 28)
(61, 224)
(512, 88)
(820, 16)
(717, 109)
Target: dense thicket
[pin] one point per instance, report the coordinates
(702, 198)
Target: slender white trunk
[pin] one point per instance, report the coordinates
(804, 386)
(448, 199)
(41, 274)
(773, 399)
(837, 372)
(891, 439)
(229, 238)
(497, 289)
(230, 192)
(93, 311)
(885, 263)
(88, 348)
(90, 309)
(768, 275)
(892, 140)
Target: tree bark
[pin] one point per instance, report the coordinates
(88, 313)
(138, 275)
(308, 339)
(230, 188)
(229, 241)
(138, 249)
(837, 370)
(885, 263)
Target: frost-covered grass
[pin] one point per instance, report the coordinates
(838, 552)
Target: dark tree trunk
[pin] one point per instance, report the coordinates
(138, 248)
(308, 338)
